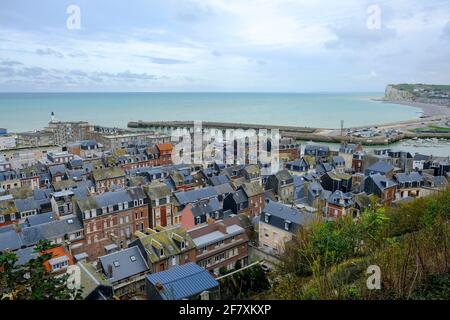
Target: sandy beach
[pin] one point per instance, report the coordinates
(428, 110)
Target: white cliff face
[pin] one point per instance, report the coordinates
(394, 94)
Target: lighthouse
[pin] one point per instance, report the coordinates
(52, 115)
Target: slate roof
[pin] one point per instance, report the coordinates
(41, 194)
(8, 175)
(125, 264)
(283, 175)
(218, 180)
(24, 255)
(59, 228)
(223, 189)
(382, 182)
(239, 196)
(313, 148)
(183, 281)
(337, 196)
(111, 198)
(11, 240)
(166, 240)
(194, 195)
(108, 173)
(41, 218)
(280, 213)
(408, 177)
(252, 169)
(157, 191)
(57, 169)
(338, 160)
(206, 206)
(252, 188)
(421, 157)
(382, 167)
(28, 204)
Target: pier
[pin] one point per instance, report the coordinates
(299, 133)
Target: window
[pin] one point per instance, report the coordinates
(161, 252)
(135, 203)
(120, 206)
(266, 233)
(286, 225)
(2, 219)
(276, 237)
(219, 243)
(266, 218)
(141, 202)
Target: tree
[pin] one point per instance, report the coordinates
(32, 281)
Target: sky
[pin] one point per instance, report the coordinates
(222, 45)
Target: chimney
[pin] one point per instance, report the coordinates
(110, 270)
(222, 227)
(159, 286)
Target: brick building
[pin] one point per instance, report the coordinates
(111, 219)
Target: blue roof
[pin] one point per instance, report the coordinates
(379, 166)
(194, 195)
(41, 218)
(180, 282)
(124, 264)
(28, 204)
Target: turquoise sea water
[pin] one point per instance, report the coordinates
(30, 111)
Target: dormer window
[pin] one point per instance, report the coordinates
(141, 202)
(161, 252)
(197, 220)
(135, 203)
(266, 218)
(286, 225)
(183, 245)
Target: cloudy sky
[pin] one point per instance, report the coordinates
(222, 45)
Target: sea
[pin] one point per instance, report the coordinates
(20, 112)
(31, 111)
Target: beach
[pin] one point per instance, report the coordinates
(428, 110)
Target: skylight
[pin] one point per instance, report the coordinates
(116, 264)
(133, 258)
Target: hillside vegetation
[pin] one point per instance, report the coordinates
(410, 245)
